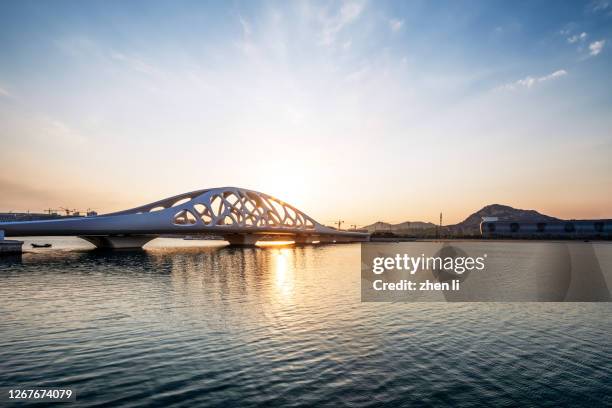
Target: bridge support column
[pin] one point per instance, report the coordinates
(118, 242)
(241, 239)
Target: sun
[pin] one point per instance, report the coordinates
(289, 183)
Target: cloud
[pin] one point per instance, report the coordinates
(332, 25)
(599, 6)
(4, 92)
(577, 37)
(529, 82)
(554, 75)
(246, 44)
(246, 27)
(84, 48)
(596, 47)
(395, 24)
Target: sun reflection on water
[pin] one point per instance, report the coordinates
(274, 243)
(284, 273)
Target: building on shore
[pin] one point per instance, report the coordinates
(27, 216)
(569, 229)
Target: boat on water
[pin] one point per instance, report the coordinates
(41, 245)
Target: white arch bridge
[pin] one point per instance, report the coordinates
(237, 215)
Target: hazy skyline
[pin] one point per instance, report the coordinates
(363, 111)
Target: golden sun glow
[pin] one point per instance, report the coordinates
(290, 182)
(274, 243)
(283, 272)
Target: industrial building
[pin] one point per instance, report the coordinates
(570, 229)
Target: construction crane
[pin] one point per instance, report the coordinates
(69, 211)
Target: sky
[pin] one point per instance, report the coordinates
(353, 110)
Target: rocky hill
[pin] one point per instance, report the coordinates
(401, 228)
(471, 225)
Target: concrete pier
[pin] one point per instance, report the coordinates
(119, 242)
(9, 246)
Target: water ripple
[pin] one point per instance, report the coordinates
(281, 326)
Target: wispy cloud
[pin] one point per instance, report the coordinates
(246, 27)
(82, 47)
(577, 37)
(59, 132)
(395, 24)
(596, 47)
(246, 44)
(599, 6)
(554, 75)
(332, 25)
(530, 81)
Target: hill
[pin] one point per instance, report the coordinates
(401, 228)
(471, 225)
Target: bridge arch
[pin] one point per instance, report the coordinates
(228, 206)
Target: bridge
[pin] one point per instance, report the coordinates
(236, 215)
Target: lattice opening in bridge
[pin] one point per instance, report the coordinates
(217, 205)
(227, 220)
(184, 217)
(206, 219)
(200, 208)
(231, 198)
(249, 206)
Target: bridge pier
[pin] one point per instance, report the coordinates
(118, 242)
(241, 239)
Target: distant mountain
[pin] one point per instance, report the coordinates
(471, 225)
(404, 227)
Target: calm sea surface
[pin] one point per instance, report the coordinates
(201, 325)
